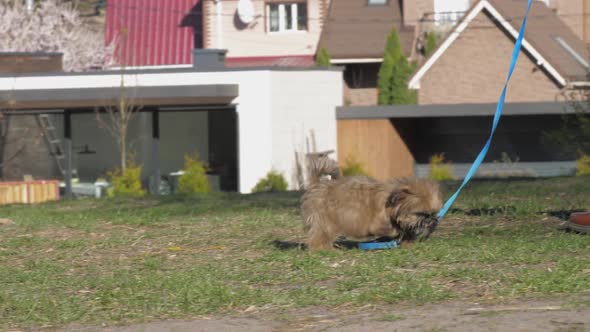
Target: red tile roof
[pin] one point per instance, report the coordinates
(158, 32)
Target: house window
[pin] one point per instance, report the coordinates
(287, 17)
(449, 11)
(377, 2)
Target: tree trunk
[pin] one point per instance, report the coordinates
(4, 125)
(123, 151)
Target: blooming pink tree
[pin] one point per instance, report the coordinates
(53, 26)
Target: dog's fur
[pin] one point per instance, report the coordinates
(359, 207)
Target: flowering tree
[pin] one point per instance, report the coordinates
(53, 26)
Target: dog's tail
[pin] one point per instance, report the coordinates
(319, 165)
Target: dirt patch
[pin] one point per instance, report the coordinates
(202, 325)
(556, 315)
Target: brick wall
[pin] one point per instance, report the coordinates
(570, 12)
(360, 96)
(30, 63)
(415, 9)
(473, 70)
(25, 151)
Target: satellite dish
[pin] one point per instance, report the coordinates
(246, 11)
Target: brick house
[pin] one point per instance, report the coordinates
(355, 33)
(575, 14)
(458, 88)
(553, 58)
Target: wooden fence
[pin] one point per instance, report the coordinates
(28, 192)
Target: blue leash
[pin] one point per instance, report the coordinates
(497, 115)
(483, 152)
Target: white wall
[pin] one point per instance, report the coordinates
(301, 103)
(275, 108)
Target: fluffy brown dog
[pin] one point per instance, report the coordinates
(359, 207)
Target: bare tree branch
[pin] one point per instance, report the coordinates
(120, 117)
(14, 155)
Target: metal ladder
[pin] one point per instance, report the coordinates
(53, 141)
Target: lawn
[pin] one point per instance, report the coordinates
(122, 261)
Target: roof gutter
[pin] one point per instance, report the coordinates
(356, 60)
(580, 84)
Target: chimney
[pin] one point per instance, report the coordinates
(209, 58)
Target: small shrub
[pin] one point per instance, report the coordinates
(323, 58)
(441, 170)
(126, 183)
(353, 167)
(273, 182)
(431, 42)
(394, 73)
(194, 180)
(583, 165)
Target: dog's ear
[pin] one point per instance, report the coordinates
(398, 195)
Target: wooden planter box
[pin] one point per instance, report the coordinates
(28, 192)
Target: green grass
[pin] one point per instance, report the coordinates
(127, 260)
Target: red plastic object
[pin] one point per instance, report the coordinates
(581, 218)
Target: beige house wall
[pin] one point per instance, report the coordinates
(224, 30)
(415, 9)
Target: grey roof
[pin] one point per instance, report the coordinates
(214, 94)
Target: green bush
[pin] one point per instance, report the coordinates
(400, 93)
(273, 182)
(384, 80)
(194, 180)
(394, 73)
(583, 165)
(431, 42)
(441, 170)
(126, 183)
(353, 167)
(323, 58)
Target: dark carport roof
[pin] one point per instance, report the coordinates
(450, 110)
(147, 96)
